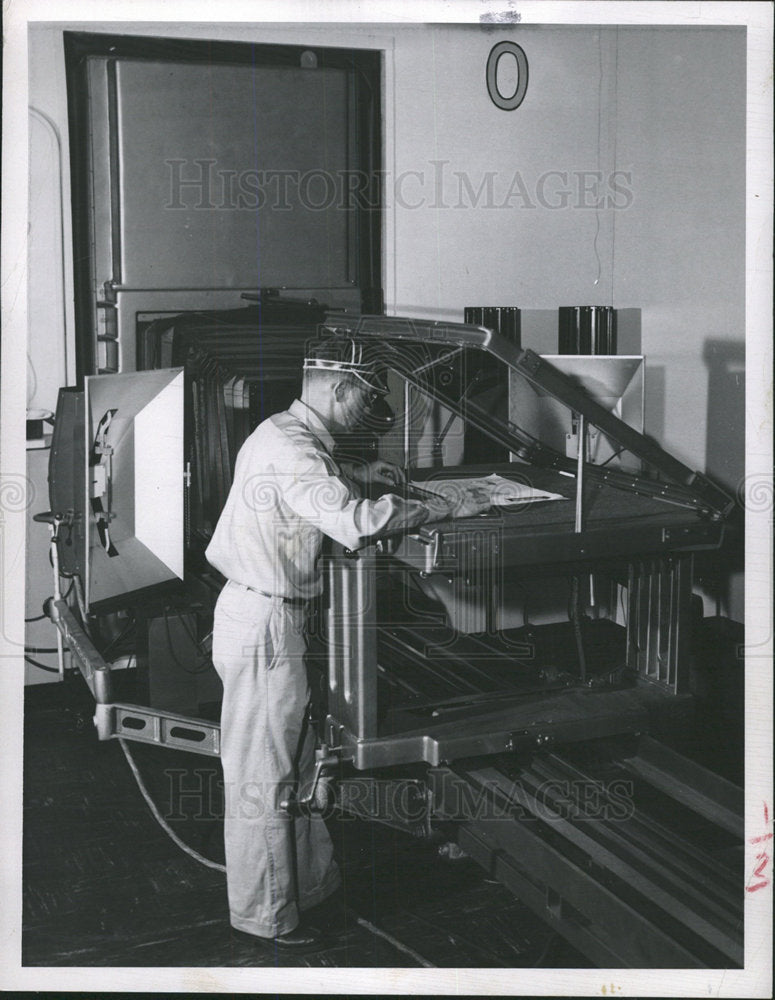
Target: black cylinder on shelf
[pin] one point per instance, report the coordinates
(503, 319)
(587, 330)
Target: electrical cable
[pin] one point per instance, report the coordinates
(32, 380)
(623, 605)
(39, 618)
(197, 642)
(160, 819)
(42, 666)
(80, 599)
(216, 866)
(114, 642)
(396, 943)
(455, 938)
(610, 458)
(206, 663)
(575, 618)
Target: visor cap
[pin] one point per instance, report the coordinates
(362, 359)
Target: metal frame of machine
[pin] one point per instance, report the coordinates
(656, 553)
(658, 567)
(592, 882)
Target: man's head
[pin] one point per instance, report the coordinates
(343, 380)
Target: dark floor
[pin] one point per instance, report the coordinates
(105, 886)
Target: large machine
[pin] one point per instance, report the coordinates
(499, 680)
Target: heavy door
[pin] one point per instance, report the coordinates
(206, 171)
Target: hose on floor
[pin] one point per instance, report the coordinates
(222, 868)
(396, 943)
(160, 819)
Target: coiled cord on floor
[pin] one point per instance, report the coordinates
(400, 946)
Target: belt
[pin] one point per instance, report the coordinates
(298, 602)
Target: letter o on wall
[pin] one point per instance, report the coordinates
(497, 51)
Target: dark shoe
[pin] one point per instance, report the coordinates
(301, 940)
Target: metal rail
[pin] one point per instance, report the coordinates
(627, 891)
(694, 786)
(623, 888)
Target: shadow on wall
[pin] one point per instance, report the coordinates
(655, 402)
(725, 444)
(720, 574)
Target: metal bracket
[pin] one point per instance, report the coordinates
(316, 799)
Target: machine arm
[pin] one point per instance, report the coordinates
(693, 486)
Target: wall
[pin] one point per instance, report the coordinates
(681, 252)
(510, 244)
(494, 207)
(50, 353)
(668, 118)
(659, 115)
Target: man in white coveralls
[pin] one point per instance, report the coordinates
(288, 492)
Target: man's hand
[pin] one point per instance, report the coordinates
(464, 502)
(381, 471)
(470, 501)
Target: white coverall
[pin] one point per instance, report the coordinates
(287, 492)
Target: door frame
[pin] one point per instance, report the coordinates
(366, 66)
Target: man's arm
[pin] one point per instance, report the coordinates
(325, 500)
(378, 471)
